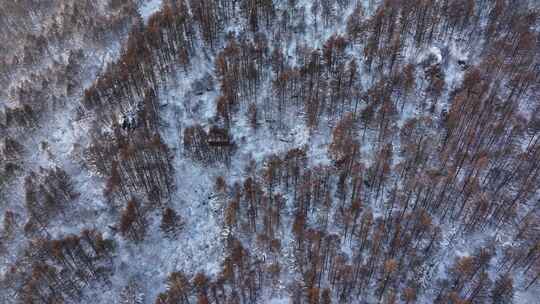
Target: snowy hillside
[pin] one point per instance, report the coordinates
(259, 151)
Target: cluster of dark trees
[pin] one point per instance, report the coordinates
(36, 81)
(32, 52)
(47, 195)
(323, 199)
(342, 249)
(215, 145)
(11, 157)
(57, 270)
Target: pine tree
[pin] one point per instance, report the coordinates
(133, 222)
(171, 223)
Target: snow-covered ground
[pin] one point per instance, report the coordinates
(149, 7)
(201, 246)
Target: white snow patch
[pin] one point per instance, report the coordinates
(148, 8)
(432, 51)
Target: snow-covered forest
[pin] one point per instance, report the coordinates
(269, 151)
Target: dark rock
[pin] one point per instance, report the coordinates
(198, 87)
(204, 84)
